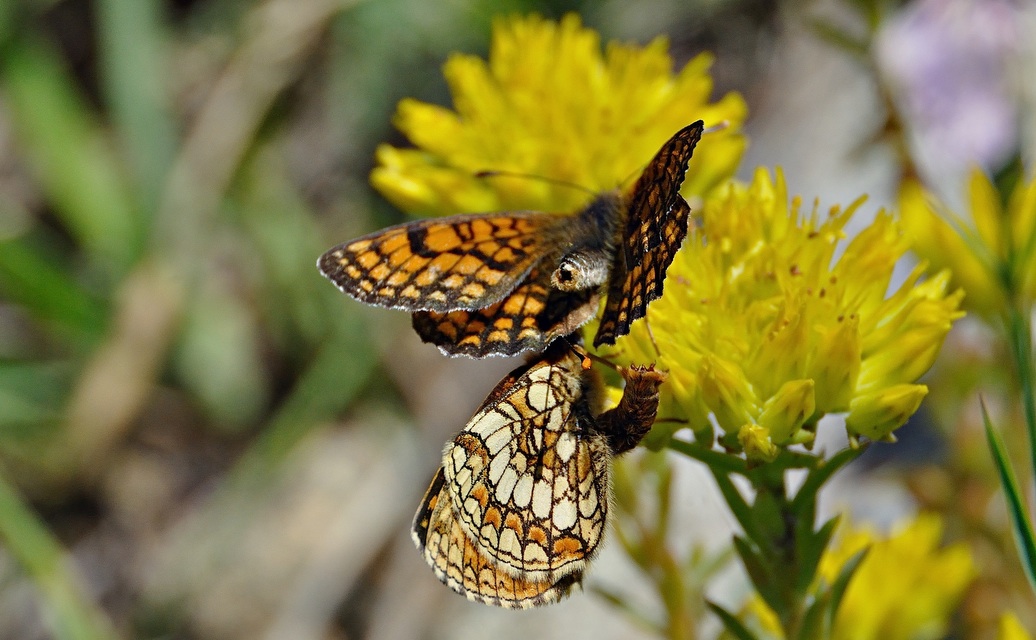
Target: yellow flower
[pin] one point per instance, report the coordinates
(1011, 629)
(548, 103)
(906, 588)
(761, 326)
(996, 251)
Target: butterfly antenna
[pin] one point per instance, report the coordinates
(531, 176)
(651, 336)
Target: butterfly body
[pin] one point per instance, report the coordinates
(503, 283)
(519, 506)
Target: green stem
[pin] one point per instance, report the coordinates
(714, 459)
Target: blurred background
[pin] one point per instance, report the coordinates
(200, 437)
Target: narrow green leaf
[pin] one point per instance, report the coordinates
(1021, 347)
(810, 548)
(812, 626)
(714, 459)
(841, 583)
(761, 573)
(31, 393)
(805, 500)
(32, 278)
(730, 622)
(71, 615)
(741, 510)
(1022, 527)
(133, 72)
(70, 155)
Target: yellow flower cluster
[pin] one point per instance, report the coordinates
(766, 328)
(918, 602)
(993, 257)
(548, 103)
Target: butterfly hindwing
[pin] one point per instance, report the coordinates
(443, 264)
(462, 565)
(517, 510)
(528, 318)
(529, 474)
(656, 224)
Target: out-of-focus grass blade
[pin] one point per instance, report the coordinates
(133, 69)
(69, 154)
(1023, 531)
(29, 278)
(31, 393)
(71, 615)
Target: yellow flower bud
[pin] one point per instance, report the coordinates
(756, 443)
(877, 415)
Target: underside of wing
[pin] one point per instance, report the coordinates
(529, 479)
(526, 319)
(445, 264)
(460, 562)
(630, 289)
(656, 224)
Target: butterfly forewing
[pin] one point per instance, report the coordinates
(504, 283)
(656, 224)
(445, 264)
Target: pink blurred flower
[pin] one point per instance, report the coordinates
(948, 63)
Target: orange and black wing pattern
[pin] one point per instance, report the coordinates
(519, 506)
(656, 224)
(460, 562)
(444, 264)
(528, 318)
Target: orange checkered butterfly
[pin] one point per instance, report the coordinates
(508, 282)
(518, 508)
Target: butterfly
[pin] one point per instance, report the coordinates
(518, 508)
(504, 283)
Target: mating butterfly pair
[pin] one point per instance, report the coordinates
(504, 283)
(519, 505)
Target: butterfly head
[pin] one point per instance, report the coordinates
(580, 271)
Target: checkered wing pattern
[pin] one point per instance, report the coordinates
(445, 264)
(461, 563)
(528, 318)
(656, 225)
(519, 505)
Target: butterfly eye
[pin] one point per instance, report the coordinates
(580, 271)
(565, 274)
